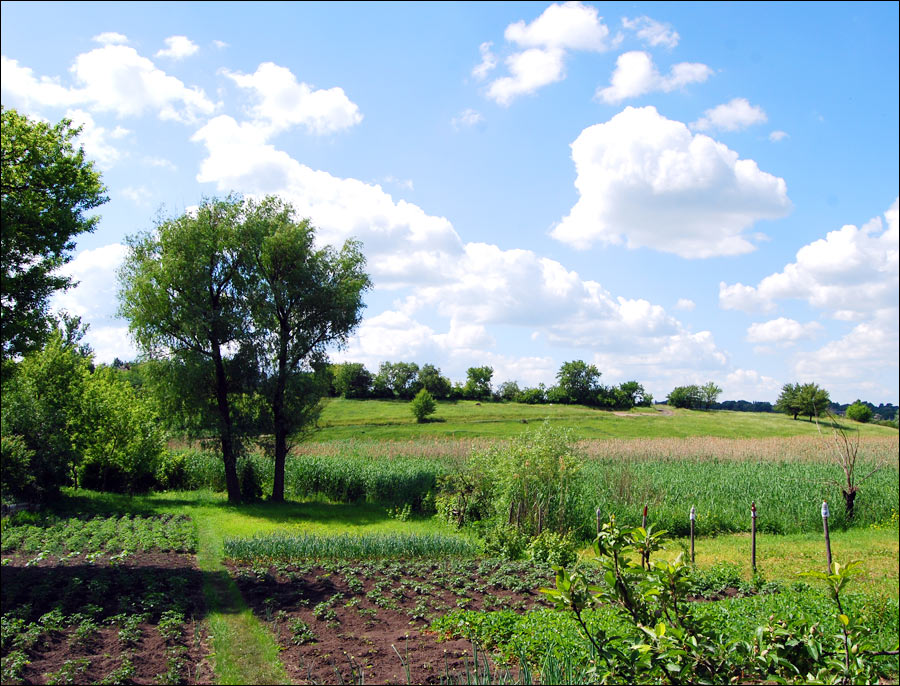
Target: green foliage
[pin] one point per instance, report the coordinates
(679, 645)
(579, 383)
(351, 380)
(122, 442)
(431, 380)
(859, 412)
(688, 397)
(803, 399)
(422, 406)
(16, 475)
(396, 380)
(504, 541)
(552, 548)
(279, 546)
(478, 383)
(47, 188)
(42, 403)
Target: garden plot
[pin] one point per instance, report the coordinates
(338, 621)
(121, 607)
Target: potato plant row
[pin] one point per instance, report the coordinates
(74, 536)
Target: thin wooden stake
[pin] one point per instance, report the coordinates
(644, 519)
(598, 521)
(753, 535)
(827, 537)
(693, 517)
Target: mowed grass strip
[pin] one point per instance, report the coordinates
(392, 420)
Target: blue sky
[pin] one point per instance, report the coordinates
(674, 192)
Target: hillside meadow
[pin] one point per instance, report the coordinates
(465, 419)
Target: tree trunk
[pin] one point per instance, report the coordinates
(279, 419)
(849, 501)
(225, 430)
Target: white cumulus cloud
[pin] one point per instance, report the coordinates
(782, 331)
(652, 32)
(850, 273)
(467, 119)
(647, 181)
(636, 75)
(110, 38)
(114, 78)
(282, 101)
(178, 47)
(731, 116)
(777, 136)
(546, 42)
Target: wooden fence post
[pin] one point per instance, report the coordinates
(598, 521)
(693, 517)
(753, 536)
(644, 519)
(827, 537)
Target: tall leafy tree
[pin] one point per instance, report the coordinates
(478, 383)
(302, 299)
(579, 381)
(710, 392)
(180, 294)
(48, 187)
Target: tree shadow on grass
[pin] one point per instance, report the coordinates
(83, 504)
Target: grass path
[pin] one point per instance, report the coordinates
(244, 651)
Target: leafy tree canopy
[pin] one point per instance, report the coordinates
(47, 188)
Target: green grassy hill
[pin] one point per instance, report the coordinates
(392, 420)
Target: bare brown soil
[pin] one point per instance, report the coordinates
(379, 623)
(140, 587)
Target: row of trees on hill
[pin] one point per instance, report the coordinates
(577, 383)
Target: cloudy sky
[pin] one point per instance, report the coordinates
(674, 192)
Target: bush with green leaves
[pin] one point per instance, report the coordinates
(669, 639)
(120, 435)
(552, 548)
(42, 405)
(859, 412)
(423, 405)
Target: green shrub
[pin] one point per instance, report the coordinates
(16, 478)
(859, 412)
(120, 435)
(552, 548)
(422, 405)
(505, 541)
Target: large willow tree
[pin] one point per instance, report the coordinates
(237, 301)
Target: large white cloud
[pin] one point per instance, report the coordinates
(113, 78)
(471, 287)
(282, 102)
(863, 363)
(546, 42)
(647, 181)
(849, 274)
(636, 75)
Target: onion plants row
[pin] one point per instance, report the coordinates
(347, 547)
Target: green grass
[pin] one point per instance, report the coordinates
(392, 420)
